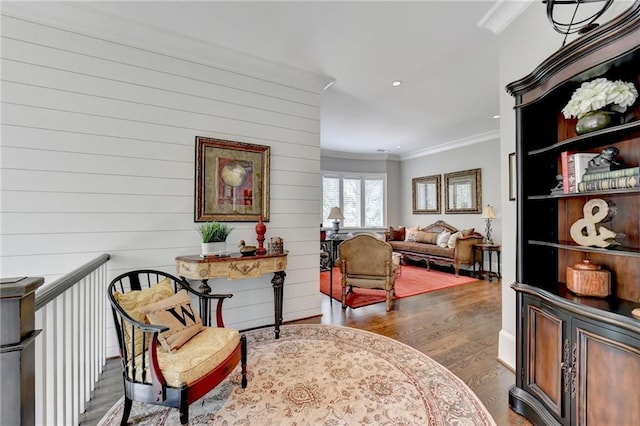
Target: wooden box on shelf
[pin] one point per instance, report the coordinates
(588, 279)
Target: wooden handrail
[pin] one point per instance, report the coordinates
(46, 294)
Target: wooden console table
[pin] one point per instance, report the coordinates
(237, 267)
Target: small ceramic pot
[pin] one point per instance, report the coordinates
(592, 121)
(214, 249)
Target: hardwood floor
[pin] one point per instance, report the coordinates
(457, 327)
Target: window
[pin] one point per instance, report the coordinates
(360, 196)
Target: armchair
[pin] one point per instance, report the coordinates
(367, 262)
(170, 364)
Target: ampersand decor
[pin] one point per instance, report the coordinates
(585, 232)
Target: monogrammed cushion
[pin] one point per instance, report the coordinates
(176, 313)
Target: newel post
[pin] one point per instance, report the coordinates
(17, 349)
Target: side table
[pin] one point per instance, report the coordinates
(330, 246)
(487, 248)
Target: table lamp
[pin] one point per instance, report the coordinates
(337, 216)
(488, 213)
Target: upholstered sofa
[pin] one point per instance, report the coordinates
(438, 243)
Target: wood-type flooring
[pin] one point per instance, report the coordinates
(457, 327)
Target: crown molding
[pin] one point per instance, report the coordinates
(358, 156)
(82, 18)
(502, 14)
(479, 138)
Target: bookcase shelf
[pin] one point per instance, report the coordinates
(625, 191)
(569, 347)
(594, 137)
(609, 251)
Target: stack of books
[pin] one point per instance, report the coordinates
(614, 179)
(574, 167)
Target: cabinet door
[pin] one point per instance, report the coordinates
(547, 352)
(607, 373)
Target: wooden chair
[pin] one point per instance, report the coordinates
(156, 376)
(367, 262)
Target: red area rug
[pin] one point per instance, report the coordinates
(413, 280)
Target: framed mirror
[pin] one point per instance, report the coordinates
(426, 194)
(463, 192)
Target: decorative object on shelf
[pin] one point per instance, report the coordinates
(600, 96)
(559, 188)
(605, 161)
(581, 26)
(588, 231)
(275, 245)
(261, 229)
(337, 216)
(594, 120)
(232, 181)
(214, 236)
(323, 233)
(488, 213)
(588, 279)
(246, 250)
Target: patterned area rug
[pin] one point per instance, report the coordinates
(413, 280)
(331, 375)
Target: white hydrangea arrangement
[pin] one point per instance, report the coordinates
(596, 94)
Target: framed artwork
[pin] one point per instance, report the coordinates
(426, 194)
(232, 181)
(463, 192)
(512, 176)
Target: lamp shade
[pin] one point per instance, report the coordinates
(335, 213)
(488, 213)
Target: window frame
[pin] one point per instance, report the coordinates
(362, 177)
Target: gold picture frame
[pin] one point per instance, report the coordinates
(231, 181)
(463, 192)
(425, 192)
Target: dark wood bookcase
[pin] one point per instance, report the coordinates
(578, 358)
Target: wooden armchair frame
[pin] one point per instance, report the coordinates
(367, 262)
(154, 390)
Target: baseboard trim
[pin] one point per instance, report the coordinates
(507, 349)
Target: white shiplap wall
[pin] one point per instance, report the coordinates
(97, 152)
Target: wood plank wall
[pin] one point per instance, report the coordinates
(98, 139)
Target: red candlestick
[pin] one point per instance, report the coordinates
(261, 229)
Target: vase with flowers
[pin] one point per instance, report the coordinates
(595, 101)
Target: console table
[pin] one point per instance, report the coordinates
(237, 267)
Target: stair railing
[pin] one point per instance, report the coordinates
(70, 353)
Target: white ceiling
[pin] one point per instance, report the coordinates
(447, 62)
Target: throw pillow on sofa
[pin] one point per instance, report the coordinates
(443, 239)
(411, 233)
(427, 237)
(467, 232)
(397, 234)
(453, 238)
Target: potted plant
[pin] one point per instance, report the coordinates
(214, 236)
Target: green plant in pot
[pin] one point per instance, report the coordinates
(214, 236)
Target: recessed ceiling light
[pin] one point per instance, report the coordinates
(496, 116)
(398, 146)
(396, 83)
(382, 150)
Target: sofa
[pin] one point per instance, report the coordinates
(438, 243)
